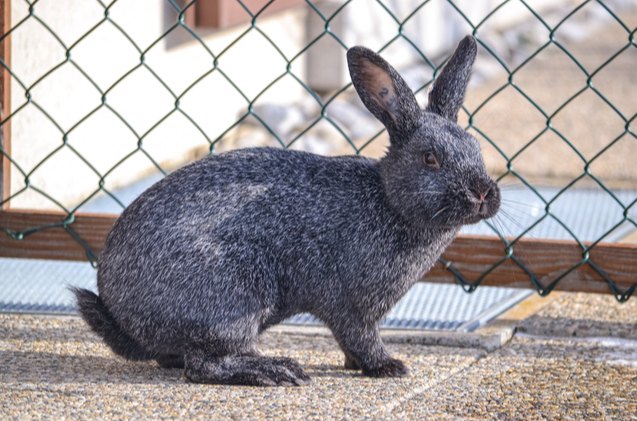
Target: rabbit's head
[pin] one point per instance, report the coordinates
(433, 172)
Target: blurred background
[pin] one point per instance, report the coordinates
(133, 91)
(106, 98)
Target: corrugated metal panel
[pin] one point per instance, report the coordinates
(41, 286)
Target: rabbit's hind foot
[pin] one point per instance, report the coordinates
(390, 368)
(251, 370)
(170, 361)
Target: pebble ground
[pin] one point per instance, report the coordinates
(54, 368)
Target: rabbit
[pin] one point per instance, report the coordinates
(204, 261)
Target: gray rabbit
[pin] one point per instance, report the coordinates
(218, 251)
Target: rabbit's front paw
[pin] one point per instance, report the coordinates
(351, 364)
(390, 368)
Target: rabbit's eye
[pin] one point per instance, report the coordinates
(430, 159)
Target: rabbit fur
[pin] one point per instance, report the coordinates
(218, 251)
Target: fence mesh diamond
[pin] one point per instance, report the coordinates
(572, 125)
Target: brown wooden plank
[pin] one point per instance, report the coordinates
(548, 259)
(5, 102)
(220, 14)
(53, 243)
(471, 255)
(190, 18)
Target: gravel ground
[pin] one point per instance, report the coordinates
(53, 367)
(584, 315)
(535, 378)
(574, 358)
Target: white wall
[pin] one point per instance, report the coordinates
(106, 55)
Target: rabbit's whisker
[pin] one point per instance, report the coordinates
(516, 223)
(516, 211)
(525, 204)
(441, 210)
(499, 228)
(510, 186)
(529, 209)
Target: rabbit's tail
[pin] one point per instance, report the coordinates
(99, 318)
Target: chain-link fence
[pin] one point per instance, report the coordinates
(100, 99)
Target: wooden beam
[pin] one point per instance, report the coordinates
(471, 255)
(5, 102)
(221, 14)
(54, 241)
(548, 259)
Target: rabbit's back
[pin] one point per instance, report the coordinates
(253, 193)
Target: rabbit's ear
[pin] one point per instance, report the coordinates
(447, 95)
(383, 91)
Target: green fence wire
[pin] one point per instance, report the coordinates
(400, 21)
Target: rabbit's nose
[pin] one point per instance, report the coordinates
(481, 195)
(481, 199)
